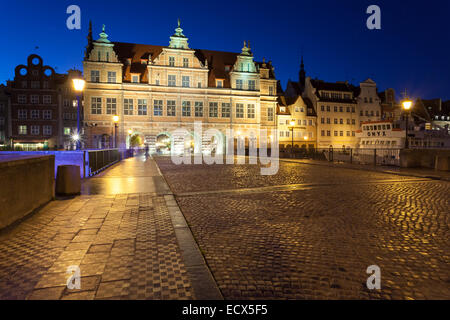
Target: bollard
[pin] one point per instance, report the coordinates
(68, 181)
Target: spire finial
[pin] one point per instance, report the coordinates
(248, 44)
(245, 44)
(103, 28)
(179, 23)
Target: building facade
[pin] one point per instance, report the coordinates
(156, 89)
(337, 116)
(4, 116)
(369, 103)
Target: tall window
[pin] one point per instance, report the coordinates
(270, 114)
(22, 114)
(47, 114)
(226, 110)
(239, 110)
(47, 130)
(47, 99)
(199, 109)
(142, 107)
(213, 109)
(22, 98)
(34, 114)
(251, 85)
(171, 108)
(251, 111)
(34, 98)
(239, 84)
(171, 61)
(22, 129)
(186, 62)
(186, 109)
(96, 105)
(185, 81)
(158, 108)
(95, 76)
(35, 130)
(172, 80)
(111, 77)
(270, 91)
(128, 107)
(111, 106)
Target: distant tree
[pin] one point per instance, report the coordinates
(136, 141)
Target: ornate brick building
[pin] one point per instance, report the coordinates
(156, 89)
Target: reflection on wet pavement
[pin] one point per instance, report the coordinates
(135, 175)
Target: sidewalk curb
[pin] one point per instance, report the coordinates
(202, 280)
(333, 165)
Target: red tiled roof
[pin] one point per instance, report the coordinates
(217, 61)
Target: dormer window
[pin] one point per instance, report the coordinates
(129, 61)
(135, 78)
(282, 109)
(227, 68)
(219, 83)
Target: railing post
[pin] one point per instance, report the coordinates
(374, 157)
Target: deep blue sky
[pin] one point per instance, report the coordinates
(411, 51)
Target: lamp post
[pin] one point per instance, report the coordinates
(292, 127)
(78, 85)
(116, 124)
(407, 105)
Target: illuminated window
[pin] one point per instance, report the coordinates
(67, 131)
(22, 130)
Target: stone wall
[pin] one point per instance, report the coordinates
(27, 182)
(422, 158)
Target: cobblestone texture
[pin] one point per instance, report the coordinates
(125, 246)
(317, 243)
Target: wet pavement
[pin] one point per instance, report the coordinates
(123, 234)
(311, 232)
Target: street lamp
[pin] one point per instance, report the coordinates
(407, 105)
(78, 85)
(116, 124)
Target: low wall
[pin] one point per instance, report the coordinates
(75, 158)
(421, 158)
(27, 182)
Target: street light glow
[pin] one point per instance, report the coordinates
(78, 84)
(407, 104)
(116, 119)
(76, 137)
(130, 132)
(292, 122)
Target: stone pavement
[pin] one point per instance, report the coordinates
(311, 232)
(124, 234)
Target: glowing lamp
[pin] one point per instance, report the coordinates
(78, 84)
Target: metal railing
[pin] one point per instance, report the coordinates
(98, 160)
(383, 157)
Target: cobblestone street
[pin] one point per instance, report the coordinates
(311, 231)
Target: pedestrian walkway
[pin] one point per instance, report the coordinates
(125, 233)
(411, 172)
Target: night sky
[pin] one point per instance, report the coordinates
(411, 51)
